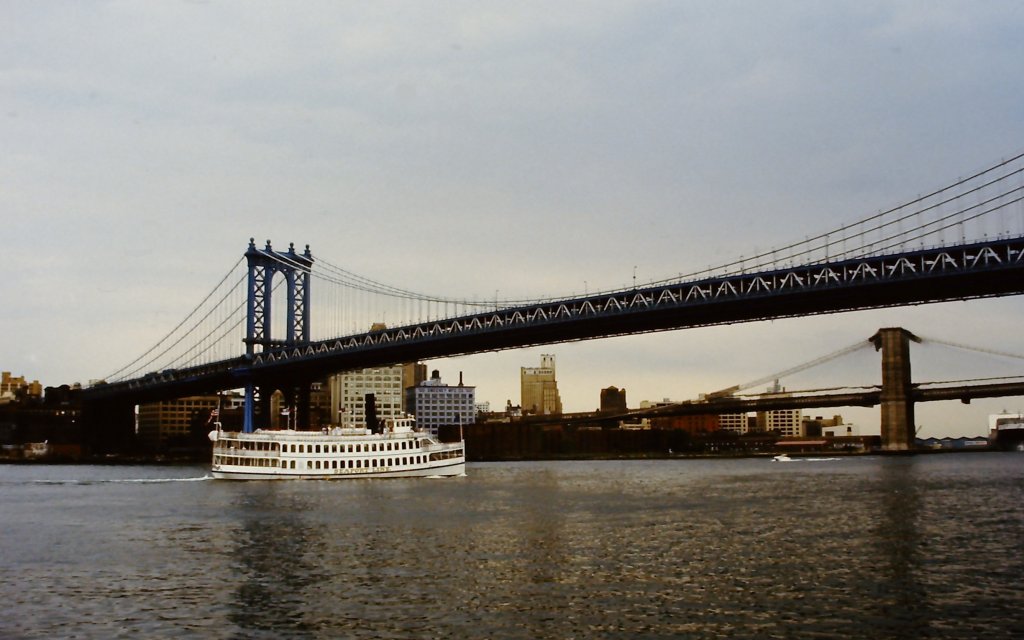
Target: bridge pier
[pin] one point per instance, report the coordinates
(897, 403)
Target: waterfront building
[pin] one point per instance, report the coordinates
(436, 404)
(169, 422)
(786, 423)
(539, 388)
(695, 424)
(634, 424)
(703, 423)
(17, 387)
(733, 422)
(829, 427)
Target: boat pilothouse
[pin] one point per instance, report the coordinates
(1006, 431)
(397, 450)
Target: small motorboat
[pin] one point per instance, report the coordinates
(782, 458)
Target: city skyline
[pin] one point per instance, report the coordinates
(478, 149)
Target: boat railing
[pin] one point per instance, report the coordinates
(440, 446)
(232, 450)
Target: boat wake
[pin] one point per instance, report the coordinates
(785, 458)
(123, 481)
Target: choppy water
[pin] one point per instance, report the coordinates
(925, 547)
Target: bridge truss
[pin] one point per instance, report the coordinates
(965, 240)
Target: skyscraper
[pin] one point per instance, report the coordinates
(539, 388)
(786, 422)
(387, 384)
(613, 400)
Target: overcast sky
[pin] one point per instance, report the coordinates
(465, 148)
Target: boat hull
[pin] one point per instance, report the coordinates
(1010, 439)
(334, 454)
(454, 469)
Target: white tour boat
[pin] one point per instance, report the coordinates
(400, 451)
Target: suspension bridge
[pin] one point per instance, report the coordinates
(962, 241)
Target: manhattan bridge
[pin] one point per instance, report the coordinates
(281, 320)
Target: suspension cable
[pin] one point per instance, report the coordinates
(189, 332)
(810, 364)
(957, 345)
(859, 224)
(179, 325)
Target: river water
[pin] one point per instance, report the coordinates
(865, 547)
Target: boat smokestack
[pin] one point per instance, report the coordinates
(371, 413)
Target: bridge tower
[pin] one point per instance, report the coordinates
(264, 264)
(897, 402)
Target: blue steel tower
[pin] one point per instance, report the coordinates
(263, 265)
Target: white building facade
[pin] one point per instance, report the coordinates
(436, 404)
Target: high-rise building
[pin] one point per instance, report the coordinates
(436, 404)
(387, 384)
(786, 422)
(539, 388)
(348, 391)
(613, 400)
(733, 422)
